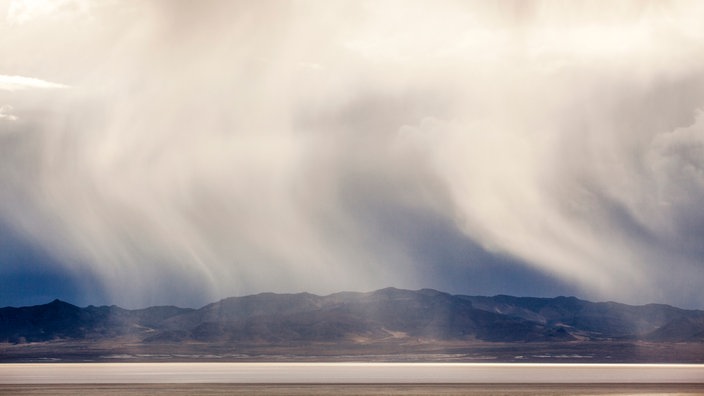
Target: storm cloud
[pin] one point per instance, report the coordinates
(178, 151)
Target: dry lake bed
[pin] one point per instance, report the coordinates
(349, 379)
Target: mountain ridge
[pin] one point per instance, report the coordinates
(271, 318)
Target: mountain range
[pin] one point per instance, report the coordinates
(375, 320)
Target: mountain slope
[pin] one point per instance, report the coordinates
(597, 320)
(61, 320)
(372, 316)
(376, 317)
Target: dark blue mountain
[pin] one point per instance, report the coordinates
(387, 314)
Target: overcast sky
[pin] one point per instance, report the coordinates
(179, 152)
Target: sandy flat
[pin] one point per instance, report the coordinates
(354, 389)
(346, 373)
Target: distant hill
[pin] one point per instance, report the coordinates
(357, 318)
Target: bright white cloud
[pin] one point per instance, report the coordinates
(18, 83)
(22, 11)
(6, 113)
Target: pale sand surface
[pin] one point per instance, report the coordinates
(346, 373)
(354, 389)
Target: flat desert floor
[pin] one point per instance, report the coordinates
(342, 379)
(353, 389)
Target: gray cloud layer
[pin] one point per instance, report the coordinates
(219, 148)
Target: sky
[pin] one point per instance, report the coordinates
(179, 152)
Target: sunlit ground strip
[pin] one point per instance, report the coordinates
(338, 373)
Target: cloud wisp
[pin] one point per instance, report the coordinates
(6, 113)
(17, 83)
(240, 147)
